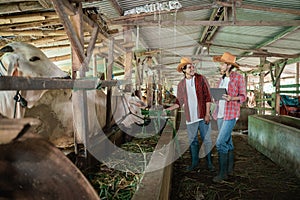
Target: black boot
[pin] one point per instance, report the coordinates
(230, 163)
(223, 168)
(210, 165)
(194, 149)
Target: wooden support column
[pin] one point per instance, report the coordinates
(150, 90)
(77, 24)
(277, 88)
(234, 12)
(138, 78)
(246, 81)
(297, 78)
(261, 87)
(79, 97)
(159, 87)
(109, 73)
(128, 54)
(95, 65)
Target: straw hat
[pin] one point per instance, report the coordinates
(183, 62)
(226, 58)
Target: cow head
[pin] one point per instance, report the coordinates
(22, 59)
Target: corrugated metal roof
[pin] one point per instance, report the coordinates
(291, 4)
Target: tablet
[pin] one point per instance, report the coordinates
(217, 93)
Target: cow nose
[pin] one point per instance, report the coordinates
(7, 49)
(64, 77)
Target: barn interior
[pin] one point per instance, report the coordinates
(114, 48)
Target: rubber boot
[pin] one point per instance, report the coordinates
(210, 165)
(194, 149)
(223, 168)
(230, 163)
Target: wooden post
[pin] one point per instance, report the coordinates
(79, 97)
(109, 73)
(261, 87)
(150, 90)
(138, 77)
(128, 54)
(95, 65)
(277, 89)
(297, 78)
(159, 87)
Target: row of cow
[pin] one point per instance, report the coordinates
(53, 107)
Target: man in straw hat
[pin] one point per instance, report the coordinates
(227, 112)
(193, 92)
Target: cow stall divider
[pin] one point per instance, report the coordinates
(39, 83)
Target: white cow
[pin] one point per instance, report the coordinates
(21, 59)
(53, 107)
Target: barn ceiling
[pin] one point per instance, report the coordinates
(262, 34)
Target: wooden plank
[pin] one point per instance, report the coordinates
(26, 83)
(33, 33)
(262, 8)
(20, 7)
(28, 18)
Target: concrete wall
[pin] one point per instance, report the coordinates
(277, 137)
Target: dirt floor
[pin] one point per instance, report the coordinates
(256, 177)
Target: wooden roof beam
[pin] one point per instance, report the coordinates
(272, 40)
(210, 31)
(117, 6)
(240, 4)
(166, 23)
(73, 37)
(277, 37)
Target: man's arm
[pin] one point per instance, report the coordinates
(174, 106)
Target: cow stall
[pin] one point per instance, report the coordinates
(99, 143)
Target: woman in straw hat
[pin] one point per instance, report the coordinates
(193, 92)
(227, 112)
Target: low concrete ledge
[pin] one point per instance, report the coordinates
(277, 137)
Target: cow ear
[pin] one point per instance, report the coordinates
(16, 72)
(34, 58)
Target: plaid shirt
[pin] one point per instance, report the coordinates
(202, 92)
(236, 88)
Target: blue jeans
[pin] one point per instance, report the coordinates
(204, 128)
(224, 141)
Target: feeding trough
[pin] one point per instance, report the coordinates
(277, 137)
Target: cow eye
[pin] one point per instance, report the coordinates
(34, 58)
(7, 49)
